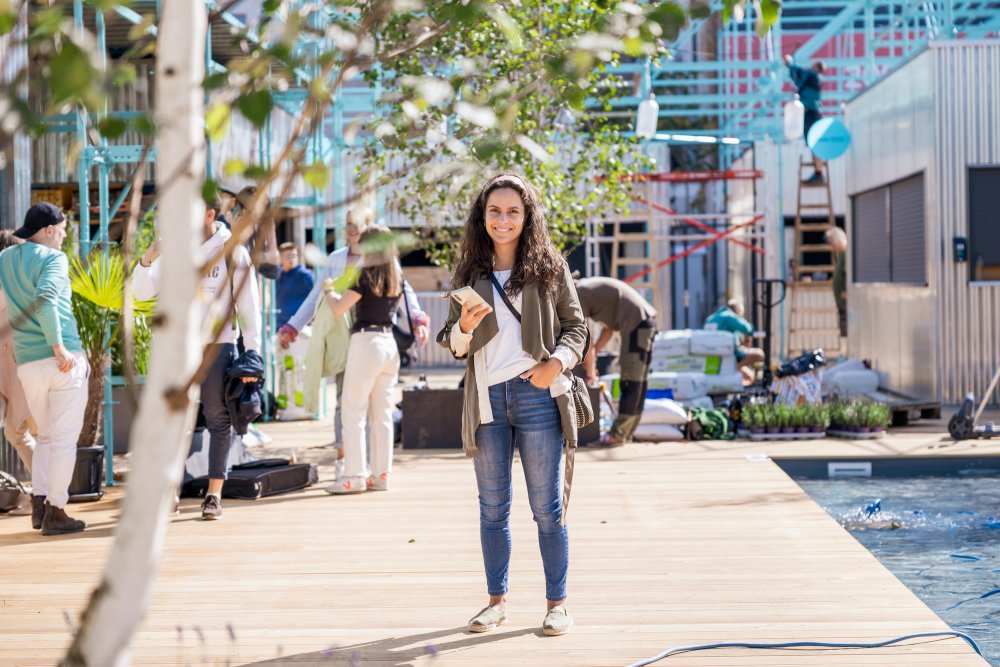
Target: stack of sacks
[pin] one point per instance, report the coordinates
(662, 419)
(691, 364)
(849, 378)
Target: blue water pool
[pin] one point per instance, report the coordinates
(939, 535)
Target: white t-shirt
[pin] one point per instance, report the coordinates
(505, 355)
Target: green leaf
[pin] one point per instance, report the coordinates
(209, 191)
(123, 74)
(633, 46)
(71, 76)
(217, 121)
(47, 22)
(8, 19)
(486, 149)
(271, 6)
(255, 172)
(217, 80)
(576, 96)
(459, 11)
(233, 167)
(143, 124)
(670, 17)
(316, 175)
(508, 27)
(111, 127)
(770, 11)
(700, 9)
(256, 106)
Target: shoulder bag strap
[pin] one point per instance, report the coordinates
(406, 307)
(503, 295)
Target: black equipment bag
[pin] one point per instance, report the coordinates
(250, 481)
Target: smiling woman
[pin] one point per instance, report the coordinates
(519, 357)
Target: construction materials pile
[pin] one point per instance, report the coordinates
(688, 367)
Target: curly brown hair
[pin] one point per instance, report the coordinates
(537, 261)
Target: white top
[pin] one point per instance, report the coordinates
(146, 285)
(505, 356)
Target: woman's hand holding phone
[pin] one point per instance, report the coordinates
(472, 315)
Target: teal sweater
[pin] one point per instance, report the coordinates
(35, 280)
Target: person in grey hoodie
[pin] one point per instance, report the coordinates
(217, 291)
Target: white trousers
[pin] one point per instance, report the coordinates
(370, 375)
(57, 401)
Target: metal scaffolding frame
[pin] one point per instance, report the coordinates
(735, 87)
(326, 144)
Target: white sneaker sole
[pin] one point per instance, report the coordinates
(338, 492)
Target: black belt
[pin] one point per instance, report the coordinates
(380, 328)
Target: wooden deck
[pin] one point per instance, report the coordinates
(670, 545)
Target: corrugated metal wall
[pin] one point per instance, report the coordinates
(435, 356)
(892, 126)
(50, 151)
(15, 178)
(939, 114)
(967, 123)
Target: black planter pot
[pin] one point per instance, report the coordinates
(88, 475)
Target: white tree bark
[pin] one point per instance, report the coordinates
(161, 430)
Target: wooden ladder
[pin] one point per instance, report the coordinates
(648, 260)
(813, 318)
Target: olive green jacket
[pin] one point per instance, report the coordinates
(545, 323)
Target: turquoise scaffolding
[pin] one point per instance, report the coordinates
(325, 144)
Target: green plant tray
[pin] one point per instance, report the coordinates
(760, 437)
(854, 435)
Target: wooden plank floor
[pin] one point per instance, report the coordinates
(670, 545)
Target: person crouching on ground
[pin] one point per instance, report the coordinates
(372, 363)
(519, 355)
(217, 282)
(730, 318)
(50, 361)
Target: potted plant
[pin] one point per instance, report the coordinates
(803, 414)
(820, 419)
(879, 417)
(771, 420)
(861, 417)
(98, 298)
(783, 414)
(753, 418)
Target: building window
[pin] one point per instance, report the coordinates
(889, 233)
(871, 237)
(984, 223)
(908, 231)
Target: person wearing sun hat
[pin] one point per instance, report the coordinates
(50, 361)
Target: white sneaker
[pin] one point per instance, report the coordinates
(347, 485)
(380, 483)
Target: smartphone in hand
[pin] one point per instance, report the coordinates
(467, 295)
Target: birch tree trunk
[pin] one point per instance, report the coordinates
(161, 431)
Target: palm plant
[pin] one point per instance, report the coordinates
(98, 298)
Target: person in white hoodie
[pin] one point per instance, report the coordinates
(217, 290)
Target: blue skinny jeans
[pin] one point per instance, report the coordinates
(528, 418)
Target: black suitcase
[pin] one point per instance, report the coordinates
(250, 481)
